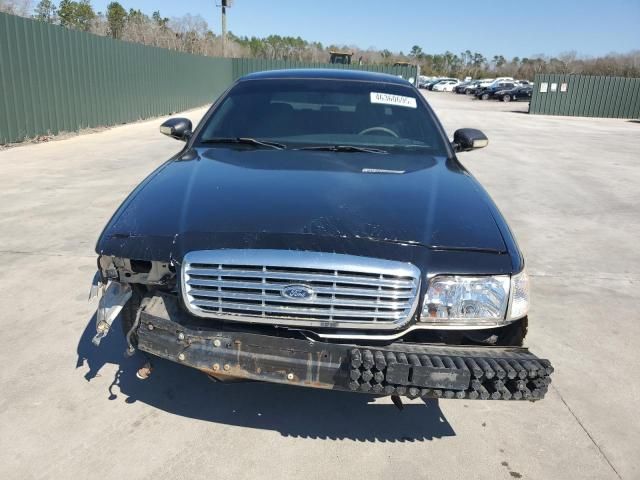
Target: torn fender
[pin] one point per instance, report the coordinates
(113, 298)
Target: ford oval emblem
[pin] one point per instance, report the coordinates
(297, 292)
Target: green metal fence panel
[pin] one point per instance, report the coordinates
(586, 96)
(53, 79)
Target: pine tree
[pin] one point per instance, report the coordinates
(116, 19)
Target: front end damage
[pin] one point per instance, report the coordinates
(156, 321)
(112, 284)
(397, 369)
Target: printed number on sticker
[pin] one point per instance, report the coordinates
(397, 100)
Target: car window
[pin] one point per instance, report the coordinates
(303, 112)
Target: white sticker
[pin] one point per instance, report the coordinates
(397, 100)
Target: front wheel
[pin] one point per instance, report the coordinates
(485, 96)
(506, 98)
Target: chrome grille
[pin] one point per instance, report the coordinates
(305, 289)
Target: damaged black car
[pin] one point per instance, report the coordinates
(317, 229)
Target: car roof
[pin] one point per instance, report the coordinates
(327, 74)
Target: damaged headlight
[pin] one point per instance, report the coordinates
(465, 301)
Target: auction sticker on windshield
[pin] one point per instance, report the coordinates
(396, 100)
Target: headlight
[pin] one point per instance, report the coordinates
(467, 301)
(519, 297)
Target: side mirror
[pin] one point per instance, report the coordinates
(178, 128)
(466, 139)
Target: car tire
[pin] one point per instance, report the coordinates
(506, 98)
(485, 96)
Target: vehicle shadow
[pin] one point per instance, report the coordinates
(292, 411)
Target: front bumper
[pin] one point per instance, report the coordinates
(431, 371)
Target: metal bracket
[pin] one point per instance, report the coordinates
(114, 297)
(130, 347)
(96, 285)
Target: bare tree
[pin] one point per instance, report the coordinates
(46, 11)
(21, 8)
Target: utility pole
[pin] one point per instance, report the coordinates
(224, 5)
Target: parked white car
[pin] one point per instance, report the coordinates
(500, 80)
(445, 86)
(485, 82)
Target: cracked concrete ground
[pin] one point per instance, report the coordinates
(569, 189)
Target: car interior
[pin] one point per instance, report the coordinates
(267, 116)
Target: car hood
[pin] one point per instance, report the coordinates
(408, 198)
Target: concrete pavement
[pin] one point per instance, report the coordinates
(569, 189)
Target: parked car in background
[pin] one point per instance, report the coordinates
(445, 85)
(459, 88)
(489, 92)
(438, 80)
(485, 82)
(429, 85)
(514, 94)
(423, 81)
(478, 85)
(501, 80)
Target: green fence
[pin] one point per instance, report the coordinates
(53, 79)
(586, 96)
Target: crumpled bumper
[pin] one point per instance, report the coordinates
(433, 371)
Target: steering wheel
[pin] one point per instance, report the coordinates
(379, 129)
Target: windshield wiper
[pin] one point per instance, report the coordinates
(246, 141)
(343, 148)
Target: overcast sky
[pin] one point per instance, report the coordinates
(511, 28)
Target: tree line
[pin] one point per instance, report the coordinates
(476, 65)
(192, 34)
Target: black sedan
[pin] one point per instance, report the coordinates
(472, 88)
(317, 229)
(460, 88)
(514, 94)
(489, 92)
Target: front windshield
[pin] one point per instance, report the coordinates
(299, 113)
